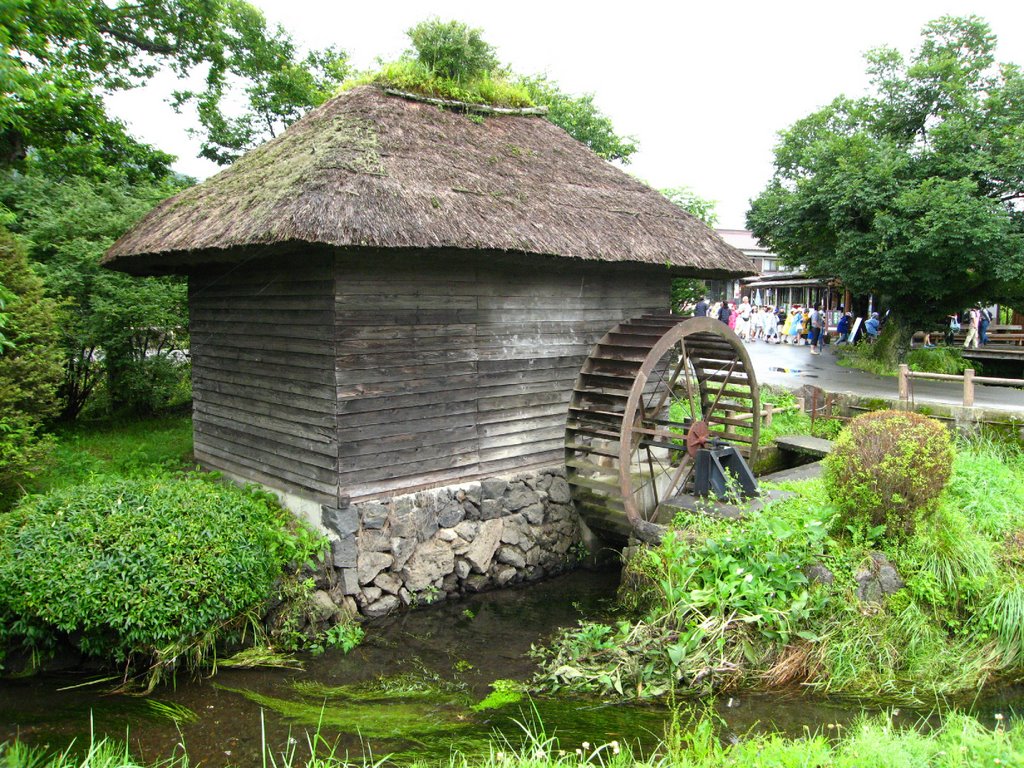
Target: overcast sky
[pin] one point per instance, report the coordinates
(704, 87)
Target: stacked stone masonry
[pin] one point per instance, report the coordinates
(423, 547)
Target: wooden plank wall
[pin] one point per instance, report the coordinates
(452, 367)
(264, 391)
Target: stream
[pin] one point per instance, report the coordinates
(406, 691)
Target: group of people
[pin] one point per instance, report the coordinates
(797, 325)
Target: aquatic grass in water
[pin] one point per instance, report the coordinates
(691, 742)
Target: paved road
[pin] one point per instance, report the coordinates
(792, 367)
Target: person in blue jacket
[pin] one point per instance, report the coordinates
(871, 327)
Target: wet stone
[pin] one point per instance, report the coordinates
(402, 549)
(534, 513)
(348, 580)
(490, 509)
(372, 563)
(388, 582)
(373, 515)
(462, 569)
(492, 488)
(344, 551)
(505, 575)
(382, 607)
(478, 582)
(451, 515)
(375, 541)
(511, 556)
(344, 521)
(558, 491)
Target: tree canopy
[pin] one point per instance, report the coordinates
(60, 56)
(913, 192)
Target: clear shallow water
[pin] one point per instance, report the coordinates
(458, 647)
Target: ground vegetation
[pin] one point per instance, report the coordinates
(797, 594)
(693, 741)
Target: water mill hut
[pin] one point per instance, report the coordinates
(389, 304)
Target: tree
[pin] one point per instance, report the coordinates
(30, 365)
(117, 326)
(914, 191)
(452, 49)
(59, 56)
(686, 292)
(580, 118)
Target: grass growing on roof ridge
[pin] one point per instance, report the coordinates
(492, 89)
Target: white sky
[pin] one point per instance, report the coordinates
(704, 87)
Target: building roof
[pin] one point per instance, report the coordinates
(367, 169)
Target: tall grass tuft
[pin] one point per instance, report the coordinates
(1003, 615)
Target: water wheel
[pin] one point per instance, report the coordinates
(653, 391)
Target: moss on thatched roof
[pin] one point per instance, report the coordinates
(369, 169)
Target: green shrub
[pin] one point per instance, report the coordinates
(452, 49)
(141, 570)
(30, 370)
(939, 360)
(887, 469)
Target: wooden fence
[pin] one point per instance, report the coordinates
(968, 377)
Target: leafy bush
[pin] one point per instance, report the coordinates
(939, 360)
(452, 49)
(888, 468)
(141, 569)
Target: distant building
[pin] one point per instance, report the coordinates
(775, 284)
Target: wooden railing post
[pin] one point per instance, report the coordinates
(969, 388)
(768, 414)
(904, 381)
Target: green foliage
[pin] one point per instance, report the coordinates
(686, 292)
(450, 60)
(694, 741)
(887, 468)
(119, 330)
(151, 570)
(911, 192)
(345, 635)
(413, 76)
(117, 447)
(716, 599)
(580, 118)
(452, 50)
(691, 202)
(29, 369)
(60, 56)
(939, 360)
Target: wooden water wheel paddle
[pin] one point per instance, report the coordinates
(653, 391)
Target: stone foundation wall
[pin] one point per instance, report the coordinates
(423, 547)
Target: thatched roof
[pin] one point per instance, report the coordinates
(369, 169)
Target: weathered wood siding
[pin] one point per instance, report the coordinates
(451, 367)
(264, 395)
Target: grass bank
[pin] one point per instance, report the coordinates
(771, 601)
(961, 741)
